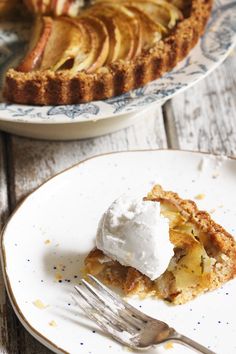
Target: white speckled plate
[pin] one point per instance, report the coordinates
(48, 122)
(47, 238)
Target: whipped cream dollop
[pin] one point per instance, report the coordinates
(134, 233)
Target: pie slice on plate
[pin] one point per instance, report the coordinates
(204, 254)
(109, 48)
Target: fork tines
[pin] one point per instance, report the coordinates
(110, 312)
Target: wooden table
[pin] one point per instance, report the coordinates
(203, 118)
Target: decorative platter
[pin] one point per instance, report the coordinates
(47, 238)
(212, 49)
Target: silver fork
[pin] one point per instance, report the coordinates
(124, 322)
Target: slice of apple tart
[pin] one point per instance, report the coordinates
(110, 48)
(163, 246)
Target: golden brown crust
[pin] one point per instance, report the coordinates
(218, 236)
(218, 243)
(62, 87)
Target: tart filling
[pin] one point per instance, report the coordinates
(84, 42)
(204, 255)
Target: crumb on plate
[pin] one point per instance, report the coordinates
(52, 323)
(58, 276)
(39, 304)
(168, 345)
(200, 196)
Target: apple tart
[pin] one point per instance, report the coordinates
(109, 48)
(204, 255)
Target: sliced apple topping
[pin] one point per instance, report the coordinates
(126, 24)
(192, 269)
(103, 33)
(114, 35)
(160, 11)
(58, 51)
(84, 55)
(191, 266)
(99, 42)
(151, 31)
(41, 34)
(127, 29)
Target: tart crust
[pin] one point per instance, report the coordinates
(219, 249)
(62, 87)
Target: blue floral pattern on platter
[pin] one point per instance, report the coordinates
(219, 38)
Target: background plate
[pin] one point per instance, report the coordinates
(211, 50)
(53, 230)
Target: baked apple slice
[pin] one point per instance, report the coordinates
(99, 45)
(65, 7)
(126, 23)
(124, 27)
(152, 32)
(135, 30)
(42, 31)
(160, 11)
(84, 55)
(138, 34)
(58, 51)
(107, 16)
(114, 37)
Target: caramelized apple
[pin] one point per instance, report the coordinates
(114, 35)
(59, 51)
(42, 31)
(124, 22)
(100, 41)
(151, 31)
(160, 12)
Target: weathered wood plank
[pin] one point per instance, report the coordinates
(33, 162)
(3, 215)
(36, 161)
(8, 325)
(3, 185)
(204, 117)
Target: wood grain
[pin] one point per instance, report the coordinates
(9, 325)
(36, 161)
(204, 117)
(3, 216)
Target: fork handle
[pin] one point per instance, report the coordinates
(180, 338)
